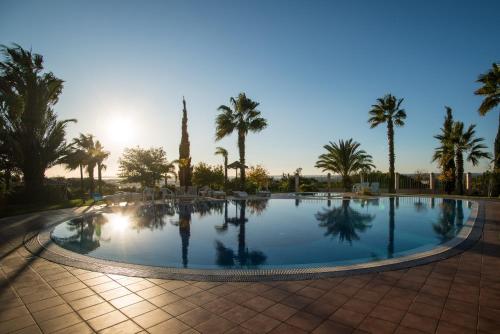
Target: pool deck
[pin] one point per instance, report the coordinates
(458, 295)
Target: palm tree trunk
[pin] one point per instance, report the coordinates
(496, 165)
(81, 178)
(225, 171)
(91, 179)
(241, 147)
(390, 138)
(460, 172)
(99, 178)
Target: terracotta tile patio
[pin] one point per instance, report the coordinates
(457, 295)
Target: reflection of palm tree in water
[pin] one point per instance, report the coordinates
(344, 222)
(392, 218)
(451, 217)
(244, 257)
(83, 240)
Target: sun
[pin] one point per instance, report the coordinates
(121, 130)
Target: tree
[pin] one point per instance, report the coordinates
(76, 159)
(388, 110)
(445, 153)
(100, 155)
(223, 152)
(243, 118)
(465, 142)
(185, 169)
(85, 143)
(205, 175)
(259, 176)
(345, 158)
(144, 166)
(490, 90)
(28, 124)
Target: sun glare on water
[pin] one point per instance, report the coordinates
(118, 222)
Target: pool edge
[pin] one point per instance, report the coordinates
(40, 244)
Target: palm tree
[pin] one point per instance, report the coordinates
(223, 152)
(465, 142)
(100, 155)
(85, 142)
(388, 110)
(243, 117)
(345, 158)
(490, 89)
(445, 153)
(74, 160)
(28, 124)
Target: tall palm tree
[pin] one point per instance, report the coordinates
(100, 155)
(490, 89)
(74, 160)
(445, 153)
(388, 110)
(85, 142)
(28, 124)
(243, 117)
(465, 142)
(345, 158)
(223, 152)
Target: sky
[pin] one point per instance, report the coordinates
(316, 67)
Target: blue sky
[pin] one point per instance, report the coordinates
(315, 66)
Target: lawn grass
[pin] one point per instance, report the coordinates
(13, 210)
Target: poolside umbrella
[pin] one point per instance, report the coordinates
(236, 165)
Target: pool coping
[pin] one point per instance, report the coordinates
(39, 243)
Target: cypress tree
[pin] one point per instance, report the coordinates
(185, 169)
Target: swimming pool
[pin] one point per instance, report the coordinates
(267, 233)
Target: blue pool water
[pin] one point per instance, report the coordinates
(273, 233)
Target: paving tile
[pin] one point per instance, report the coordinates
(85, 302)
(347, 317)
(424, 324)
(80, 328)
(96, 310)
(179, 307)
(61, 322)
(304, 320)
(107, 320)
(151, 318)
(426, 310)
(201, 298)
(448, 328)
(16, 324)
(33, 329)
(79, 294)
(164, 299)
(459, 319)
(297, 302)
(137, 309)
(195, 316)
(387, 313)
(359, 305)
(151, 292)
(187, 291)
(330, 327)
(171, 326)
(215, 325)
(115, 293)
(13, 312)
(52, 312)
(239, 314)
(280, 312)
(260, 324)
(106, 286)
(219, 305)
(258, 303)
(287, 329)
(126, 300)
(126, 327)
(376, 325)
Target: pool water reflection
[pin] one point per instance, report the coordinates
(272, 233)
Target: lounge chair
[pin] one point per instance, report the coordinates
(97, 197)
(148, 193)
(218, 194)
(240, 194)
(166, 193)
(263, 193)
